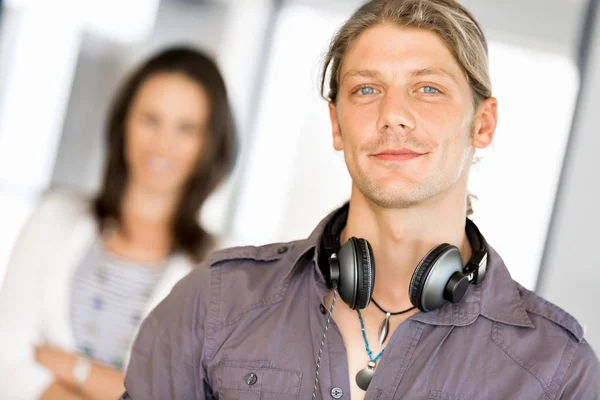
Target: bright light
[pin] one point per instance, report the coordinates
(291, 161)
(124, 21)
(517, 178)
(35, 96)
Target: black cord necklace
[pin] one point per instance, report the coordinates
(385, 324)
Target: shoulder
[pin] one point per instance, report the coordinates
(257, 269)
(61, 203)
(549, 317)
(54, 217)
(553, 350)
(234, 280)
(248, 265)
(242, 256)
(553, 320)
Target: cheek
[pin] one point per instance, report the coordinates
(442, 125)
(358, 130)
(189, 152)
(358, 116)
(135, 143)
(364, 118)
(455, 149)
(443, 114)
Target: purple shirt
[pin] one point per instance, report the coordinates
(247, 324)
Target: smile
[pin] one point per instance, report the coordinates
(397, 155)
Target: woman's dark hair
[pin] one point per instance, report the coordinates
(213, 165)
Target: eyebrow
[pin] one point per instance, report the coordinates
(365, 73)
(370, 73)
(434, 71)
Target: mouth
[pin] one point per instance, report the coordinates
(398, 155)
(159, 164)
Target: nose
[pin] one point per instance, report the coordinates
(164, 135)
(395, 115)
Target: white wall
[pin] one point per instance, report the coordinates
(571, 274)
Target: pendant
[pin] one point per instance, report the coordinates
(364, 376)
(384, 329)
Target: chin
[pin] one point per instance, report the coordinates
(395, 175)
(397, 198)
(395, 193)
(398, 183)
(160, 186)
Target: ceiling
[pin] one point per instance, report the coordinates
(552, 25)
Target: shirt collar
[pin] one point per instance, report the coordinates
(497, 298)
(310, 247)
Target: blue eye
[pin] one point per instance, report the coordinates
(366, 90)
(430, 90)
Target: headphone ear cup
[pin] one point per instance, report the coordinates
(357, 273)
(366, 273)
(418, 290)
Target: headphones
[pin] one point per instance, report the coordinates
(439, 277)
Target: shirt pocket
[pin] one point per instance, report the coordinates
(256, 380)
(439, 395)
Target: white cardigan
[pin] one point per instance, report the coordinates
(35, 294)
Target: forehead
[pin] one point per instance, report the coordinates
(394, 50)
(174, 91)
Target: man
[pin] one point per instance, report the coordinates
(410, 101)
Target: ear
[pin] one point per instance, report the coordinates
(485, 123)
(336, 132)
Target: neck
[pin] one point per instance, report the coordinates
(400, 238)
(146, 213)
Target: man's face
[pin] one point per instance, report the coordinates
(404, 116)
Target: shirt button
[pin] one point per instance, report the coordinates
(282, 250)
(337, 393)
(323, 309)
(251, 379)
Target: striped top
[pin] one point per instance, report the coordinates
(109, 295)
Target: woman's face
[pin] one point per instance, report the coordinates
(165, 131)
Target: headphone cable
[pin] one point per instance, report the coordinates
(323, 344)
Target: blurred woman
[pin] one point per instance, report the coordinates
(84, 273)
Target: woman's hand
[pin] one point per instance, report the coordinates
(61, 363)
(103, 383)
(57, 391)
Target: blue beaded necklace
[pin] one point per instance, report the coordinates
(369, 352)
(364, 376)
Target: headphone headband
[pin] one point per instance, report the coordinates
(477, 264)
(330, 244)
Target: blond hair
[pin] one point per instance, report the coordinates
(450, 20)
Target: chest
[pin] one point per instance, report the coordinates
(360, 334)
(357, 361)
(272, 355)
(146, 247)
(109, 299)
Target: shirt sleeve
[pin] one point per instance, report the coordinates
(166, 359)
(21, 377)
(582, 380)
